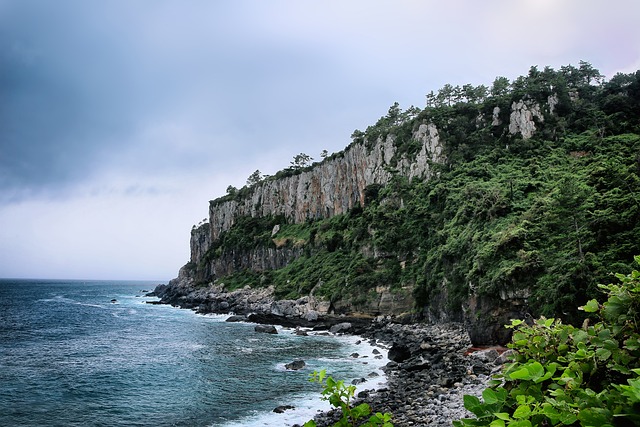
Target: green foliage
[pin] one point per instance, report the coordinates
(564, 375)
(341, 396)
(504, 216)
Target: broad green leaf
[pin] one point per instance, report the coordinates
(591, 306)
(490, 397)
(503, 416)
(522, 411)
(536, 370)
(603, 353)
(520, 374)
(497, 423)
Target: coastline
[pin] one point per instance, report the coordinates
(430, 367)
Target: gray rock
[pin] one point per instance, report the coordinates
(399, 353)
(280, 409)
(312, 316)
(340, 327)
(296, 365)
(236, 319)
(266, 329)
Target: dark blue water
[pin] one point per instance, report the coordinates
(71, 357)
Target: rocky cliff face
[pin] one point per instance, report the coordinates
(332, 187)
(327, 189)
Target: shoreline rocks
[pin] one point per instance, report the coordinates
(426, 386)
(431, 367)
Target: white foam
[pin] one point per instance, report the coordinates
(308, 405)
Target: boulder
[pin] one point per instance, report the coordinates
(236, 319)
(266, 329)
(340, 327)
(399, 353)
(280, 409)
(312, 316)
(295, 365)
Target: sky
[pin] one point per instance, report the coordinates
(120, 120)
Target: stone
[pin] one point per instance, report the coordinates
(282, 408)
(266, 329)
(399, 353)
(312, 316)
(340, 327)
(521, 119)
(296, 365)
(236, 319)
(486, 356)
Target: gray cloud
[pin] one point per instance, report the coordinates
(112, 104)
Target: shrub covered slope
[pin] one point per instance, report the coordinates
(538, 217)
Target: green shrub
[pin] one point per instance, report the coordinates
(341, 396)
(565, 375)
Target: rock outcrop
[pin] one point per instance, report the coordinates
(331, 187)
(522, 118)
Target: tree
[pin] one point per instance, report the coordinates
(254, 178)
(324, 154)
(500, 86)
(301, 160)
(231, 190)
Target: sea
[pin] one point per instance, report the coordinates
(94, 353)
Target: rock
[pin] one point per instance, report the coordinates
(296, 365)
(340, 327)
(355, 355)
(312, 316)
(266, 329)
(359, 381)
(399, 353)
(301, 333)
(487, 356)
(375, 351)
(113, 301)
(236, 319)
(280, 409)
(521, 119)
(504, 357)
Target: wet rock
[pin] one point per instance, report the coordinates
(340, 328)
(280, 409)
(399, 353)
(295, 365)
(266, 329)
(236, 319)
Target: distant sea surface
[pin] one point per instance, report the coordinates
(71, 357)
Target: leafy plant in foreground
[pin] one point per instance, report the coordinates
(341, 396)
(564, 375)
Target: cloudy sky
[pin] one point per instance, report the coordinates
(120, 120)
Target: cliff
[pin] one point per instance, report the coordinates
(438, 214)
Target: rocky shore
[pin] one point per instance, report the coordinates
(431, 367)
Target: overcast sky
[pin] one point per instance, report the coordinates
(120, 120)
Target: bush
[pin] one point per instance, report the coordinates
(341, 396)
(564, 375)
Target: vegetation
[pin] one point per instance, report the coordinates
(565, 375)
(543, 218)
(341, 396)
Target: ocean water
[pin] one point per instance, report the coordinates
(71, 357)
